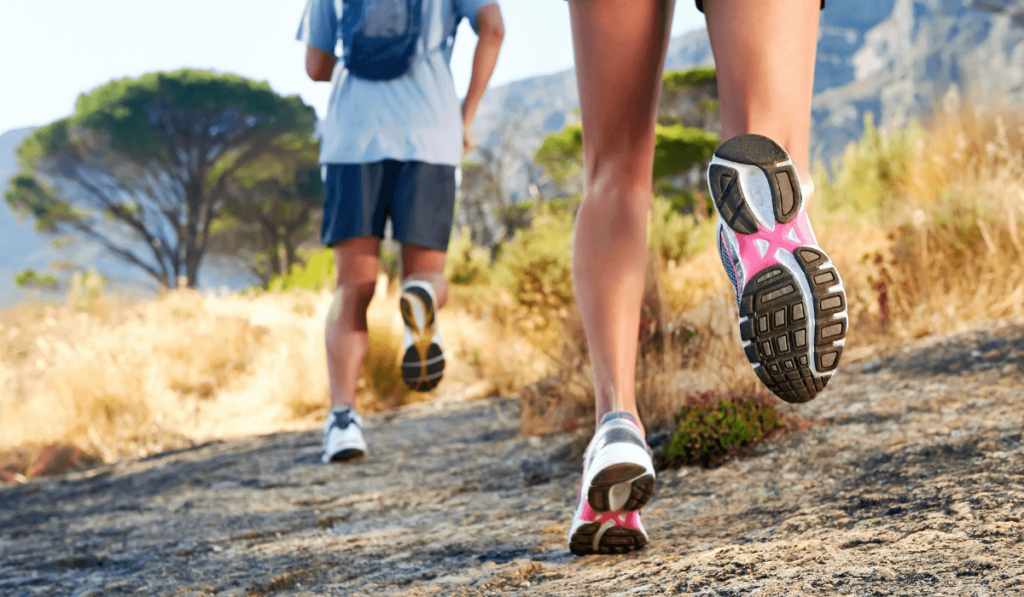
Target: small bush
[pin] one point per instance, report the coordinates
(536, 265)
(31, 279)
(713, 426)
(466, 263)
(674, 235)
(871, 176)
(319, 273)
(682, 79)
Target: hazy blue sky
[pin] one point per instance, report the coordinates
(53, 50)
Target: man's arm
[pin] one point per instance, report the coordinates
(319, 64)
(491, 32)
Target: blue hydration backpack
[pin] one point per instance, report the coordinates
(379, 36)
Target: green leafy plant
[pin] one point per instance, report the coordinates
(32, 279)
(536, 265)
(318, 273)
(466, 263)
(681, 79)
(713, 426)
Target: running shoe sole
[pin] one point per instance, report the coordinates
(423, 361)
(792, 308)
(347, 455)
(617, 492)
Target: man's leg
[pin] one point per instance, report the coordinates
(426, 265)
(764, 56)
(620, 50)
(346, 333)
(424, 292)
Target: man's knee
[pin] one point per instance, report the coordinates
(349, 305)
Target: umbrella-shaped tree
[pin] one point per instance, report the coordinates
(144, 166)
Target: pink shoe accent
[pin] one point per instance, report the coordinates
(621, 518)
(750, 255)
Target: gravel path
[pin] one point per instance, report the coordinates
(912, 484)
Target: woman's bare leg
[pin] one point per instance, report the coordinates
(620, 51)
(764, 56)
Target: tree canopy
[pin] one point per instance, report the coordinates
(143, 166)
(677, 149)
(270, 206)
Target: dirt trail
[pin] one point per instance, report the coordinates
(913, 484)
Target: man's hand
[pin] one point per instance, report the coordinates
(319, 64)
(467, 134)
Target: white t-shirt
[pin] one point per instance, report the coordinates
(415, 117)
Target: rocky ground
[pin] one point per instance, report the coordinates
(912, 483)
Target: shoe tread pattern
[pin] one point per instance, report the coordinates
(777, 329)
(421, 375)
(827, 303)
(640, 493)
(616, 540)
(728, 195)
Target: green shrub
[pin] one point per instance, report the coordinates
(679, 148)
(32, 279)
(561, 153)
(536, 265)
(872, 172)
(466, 263)
(675, 235)
(319, 273)
(86, 288)
(675, 80)
(713, 426)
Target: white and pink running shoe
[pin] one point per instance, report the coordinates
(618, 479)
(792, 304)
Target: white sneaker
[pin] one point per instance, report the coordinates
(618, 479)
(423, 358)
(343, 436)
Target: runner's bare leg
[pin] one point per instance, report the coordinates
(347, 338)
(764, 55)
(620, 51)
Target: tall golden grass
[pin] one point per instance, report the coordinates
(118, 377)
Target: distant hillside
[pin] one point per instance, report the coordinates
(896, 59)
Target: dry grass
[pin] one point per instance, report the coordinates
(129, 378)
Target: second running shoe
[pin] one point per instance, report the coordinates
(618, 479)
(792, 304)
(423, 359)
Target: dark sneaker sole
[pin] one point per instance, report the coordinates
(616, 540)
(641, 486)
(792, 314)
(422, 369)
(348, 455)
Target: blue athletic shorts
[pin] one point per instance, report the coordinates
(418, 197)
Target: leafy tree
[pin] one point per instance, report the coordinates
(144, 166)
(678, 148)
(270, 205)
(32, 279)
(690, 98)
(561, 153)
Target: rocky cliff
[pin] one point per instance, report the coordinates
(895, 59)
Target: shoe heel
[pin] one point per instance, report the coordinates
(624, 486)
